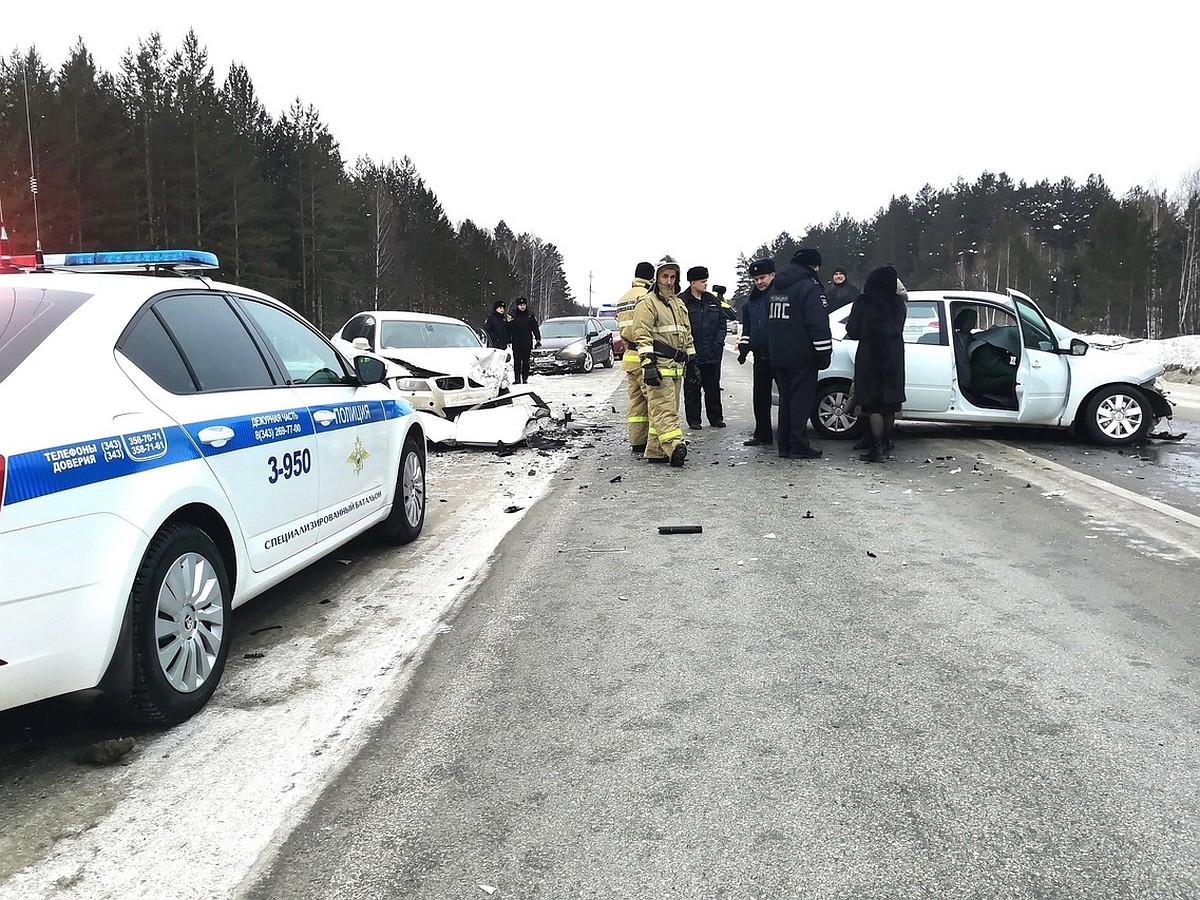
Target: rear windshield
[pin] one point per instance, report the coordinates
(27, 317)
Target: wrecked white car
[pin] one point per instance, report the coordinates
(447, 369)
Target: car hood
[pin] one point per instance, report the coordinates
(557, 343)
(484, 365)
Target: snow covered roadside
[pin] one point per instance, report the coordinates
(201, 805)
(1179, 355)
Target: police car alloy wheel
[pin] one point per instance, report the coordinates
(1118, 416)
(407, 518)
(181, 613)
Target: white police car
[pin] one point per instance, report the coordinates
(170, 448)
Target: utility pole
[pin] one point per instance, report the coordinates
(590, 292)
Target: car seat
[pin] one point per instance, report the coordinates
(965, 320)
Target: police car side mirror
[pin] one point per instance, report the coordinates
(370, 369)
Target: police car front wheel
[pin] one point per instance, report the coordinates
(181, 614)
(407, 518)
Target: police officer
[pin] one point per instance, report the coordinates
(754, 340)
(663, 337)
(707, 315)
(800, 345)
(637, 417)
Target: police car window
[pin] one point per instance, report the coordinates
(214, 341)
(305, 355)
(27, 317)
(150, 348)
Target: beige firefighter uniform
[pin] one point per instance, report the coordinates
(662, 334)
(638, 416)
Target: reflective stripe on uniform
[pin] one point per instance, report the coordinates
(674, 434)
(671, 373)
(638, 419)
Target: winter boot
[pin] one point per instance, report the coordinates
(873, 453)
(678, 455)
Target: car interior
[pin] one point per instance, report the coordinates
(984, 360)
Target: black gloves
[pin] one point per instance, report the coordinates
(824, 358)
(743, 349)
(650, 374)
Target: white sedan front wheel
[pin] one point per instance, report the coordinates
(1118, 416)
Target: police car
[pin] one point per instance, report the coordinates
(172, 447)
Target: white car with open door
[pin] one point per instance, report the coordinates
(173, 447)
(995, 359)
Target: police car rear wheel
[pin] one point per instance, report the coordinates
(181, 608)
(407, 517)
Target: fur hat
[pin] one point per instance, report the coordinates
(644, 270)
(496, 306)
(881, 281)
(520, 301)
(761, 267)
(719, 290)
(807, 256)
(697, 273)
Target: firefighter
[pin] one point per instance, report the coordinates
(638, 418)
(663, 337)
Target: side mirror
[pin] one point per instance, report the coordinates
(360, 343)
(1078, 347)
(592, 334)
(370, 369)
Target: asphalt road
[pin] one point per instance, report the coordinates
(966, 673)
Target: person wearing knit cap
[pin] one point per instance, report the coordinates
(840, 292)
(754, 340)
(662, 334)
(800, 345)
(637, 417)
(496, 327)
(708, 316)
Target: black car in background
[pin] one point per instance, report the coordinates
(573, 344)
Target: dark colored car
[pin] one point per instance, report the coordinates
(573, 344)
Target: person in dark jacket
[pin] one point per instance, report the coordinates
(754, 340)
(523, 331)
(496, 327)
(800, 345)
(877, 323)
(708, 316)
(841, 292)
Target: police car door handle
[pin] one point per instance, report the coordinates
(1034, 364)
(324, 416)
(216, 435)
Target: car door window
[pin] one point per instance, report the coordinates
(151, 349)
(923, 324)
(1035, 330)
(307, 358)
(218, 350)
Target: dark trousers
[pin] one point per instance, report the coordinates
(764, 379)
(797, 398)
(521, 362)
(704, 377)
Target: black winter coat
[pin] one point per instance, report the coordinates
(708, 317)
(754, 322)
(524, 330)
(840, 295)
(877, 323)
(497, 331)
(798, 334)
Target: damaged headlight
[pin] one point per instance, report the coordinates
(574, 349)
(412, 384)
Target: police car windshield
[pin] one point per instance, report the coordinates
(27, 316)
(421, 335)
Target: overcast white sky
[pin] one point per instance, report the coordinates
(625, 130)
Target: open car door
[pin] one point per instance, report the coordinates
(1043, 374)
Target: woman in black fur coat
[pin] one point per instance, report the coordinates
(877, 323)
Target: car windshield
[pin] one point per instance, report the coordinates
(406, 335)
(562, 328)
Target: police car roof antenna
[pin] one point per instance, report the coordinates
(37, 231)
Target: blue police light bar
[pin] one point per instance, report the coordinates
(133, 260)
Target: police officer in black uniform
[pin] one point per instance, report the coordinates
(754, 340)
(800, 345)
